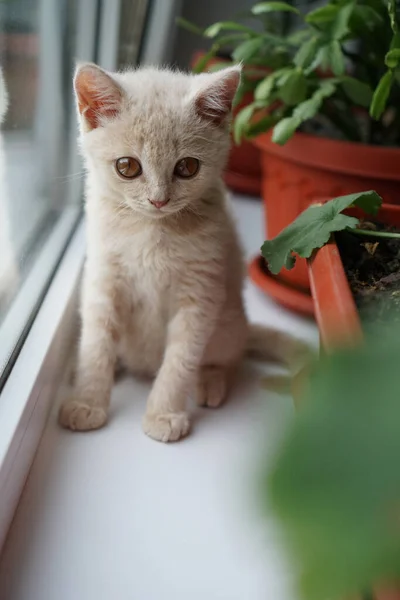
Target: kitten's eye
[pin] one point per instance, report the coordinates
(187, 167)
(128, 167)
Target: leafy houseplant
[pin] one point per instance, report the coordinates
(327, 117)
(310, 236)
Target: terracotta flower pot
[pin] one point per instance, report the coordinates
(243, 171)
(308, 167)
(335, 309)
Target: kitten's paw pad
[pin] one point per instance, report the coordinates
(81, 417)
(212, 387)
(168, 427)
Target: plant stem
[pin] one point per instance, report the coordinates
(377, 234)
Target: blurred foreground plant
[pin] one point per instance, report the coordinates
(335, 487)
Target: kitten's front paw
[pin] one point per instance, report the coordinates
(212, 387)
(168, 427)
(80, 416)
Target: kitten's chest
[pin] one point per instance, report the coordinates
(152, 263)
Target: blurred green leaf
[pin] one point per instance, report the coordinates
(284, 130)
(306, 53)
(392, 58)
(313, 228)
(336, 58)
(243, 119)
(245, 86)
(261, 125)
(323, 14)
(359, 92)
(392, 15)
(267, 7)
(245, 51)
(293, 89)
(266, 86)
(185, 24)
(340, 27)
(216, 28)
(381, 95)
(335, 486)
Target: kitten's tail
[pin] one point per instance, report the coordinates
(266, 344)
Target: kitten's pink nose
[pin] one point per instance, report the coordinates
(159, 203)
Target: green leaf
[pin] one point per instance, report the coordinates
(359, 92)
(285, 129)
(243, 119)
(298, 37)
(185, 24)
(392, 15)
(245, 86)
(335, 484)
(265, 87)
(340, 27)
(329, 56)
(261, 126)
(395, 43)
(392, 58)
(324, 14)
(309, 108)
(245, 51)
(293, 90)
(267, 7)
(381, 95)
(336, 58)
(216, 28)
(313, 228)
(306, 53)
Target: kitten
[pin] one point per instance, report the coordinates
(162, 288)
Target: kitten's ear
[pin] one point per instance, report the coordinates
(213, 101)
(98, 95)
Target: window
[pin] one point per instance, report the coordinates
(41, 175)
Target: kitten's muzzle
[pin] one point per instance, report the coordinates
(159, 203)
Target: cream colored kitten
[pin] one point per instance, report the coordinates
(162, 287)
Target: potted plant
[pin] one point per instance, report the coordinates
(354, 264)
(326, 119)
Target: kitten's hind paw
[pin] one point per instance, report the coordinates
(168, 427)
(81, 416)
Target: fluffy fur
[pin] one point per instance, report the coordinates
(162, 288)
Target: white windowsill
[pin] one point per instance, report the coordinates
(28, 392)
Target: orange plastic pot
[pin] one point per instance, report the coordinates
(309, 167)
(243, 171)
(334, 306)
(387, 594)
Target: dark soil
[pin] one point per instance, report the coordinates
(372, 267)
